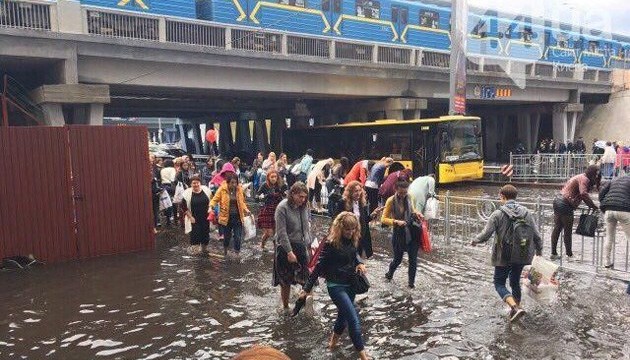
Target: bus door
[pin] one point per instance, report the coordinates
(400, 18)
(424, 157)
(333, 10)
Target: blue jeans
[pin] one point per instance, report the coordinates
(234, 227)
(501, 274)
(343, 298)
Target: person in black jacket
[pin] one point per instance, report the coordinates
(271, 193)
(354, 200)
(614, 201)
(338, 262)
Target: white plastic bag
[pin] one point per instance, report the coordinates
(539, 280)
(165, 200)
(431, 208)
(249, 227)
(324, 195)
(179, 193)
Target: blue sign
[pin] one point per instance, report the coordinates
(488, 92)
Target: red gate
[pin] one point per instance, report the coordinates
(74, 192)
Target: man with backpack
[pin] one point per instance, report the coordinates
(517, 241)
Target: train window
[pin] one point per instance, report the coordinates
(326, 5)
(298, 3)
(562, 41)
(368, 9)
(404, 16)
(527, 34)
(394, 14)
(593, 46)
(337, 5)
(430, 19)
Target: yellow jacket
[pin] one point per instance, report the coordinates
(222, 197)
(388, 214)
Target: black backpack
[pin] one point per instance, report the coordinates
(518, 244)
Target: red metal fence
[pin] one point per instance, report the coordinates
(74, 192)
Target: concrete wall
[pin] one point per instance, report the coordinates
(608, 121)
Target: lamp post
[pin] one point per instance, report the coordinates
(457, 90)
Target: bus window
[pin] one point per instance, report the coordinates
(394, 144)
(460, 141)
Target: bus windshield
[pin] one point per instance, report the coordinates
(461, 140)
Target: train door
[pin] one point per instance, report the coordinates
(400, 18)
(333, 10)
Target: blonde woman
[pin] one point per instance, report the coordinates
(337, 263)
(354, 200)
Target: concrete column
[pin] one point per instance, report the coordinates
(243, 135)
(535, 127)
(95, 114)
(53, 115)
(261, 137)
(573, 119)
(277, 128)
(524, 130)
(69, 19)
(225, 138)
(394, 114)
(491, 136)
(560, 128)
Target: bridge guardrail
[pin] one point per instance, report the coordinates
(44, 15)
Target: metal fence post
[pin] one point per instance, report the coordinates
(447, 217)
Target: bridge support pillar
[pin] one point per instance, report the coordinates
(53, 115)
(565, 119)
(86, 103)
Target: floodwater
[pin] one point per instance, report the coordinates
(166, 304)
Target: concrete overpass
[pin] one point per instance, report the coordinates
(79, 72)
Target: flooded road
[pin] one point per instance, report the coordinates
(166, 304)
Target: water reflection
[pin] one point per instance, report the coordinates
(167, 304)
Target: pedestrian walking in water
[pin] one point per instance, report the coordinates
(421, 189)
(293, 236)
(400, 213)
(354, 200)
(514, 226)
(573, 193)
(232, 210)
(167, 175)
(374, 181)
(272, 192)
(195, 206)
(614, 200)
(316, 180)
(338, 263)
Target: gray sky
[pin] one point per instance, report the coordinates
(607, 15)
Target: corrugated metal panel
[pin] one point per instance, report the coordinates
(36, 212)
(112, 187)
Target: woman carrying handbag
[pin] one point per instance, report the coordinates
(344, 272)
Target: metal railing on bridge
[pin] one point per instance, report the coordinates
(554, 167)
(44, 15)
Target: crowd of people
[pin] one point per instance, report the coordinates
(355, 196)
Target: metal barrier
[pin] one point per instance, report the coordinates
(299, 45)
(25, 15)
(392, 55)
(253, 40)
(462, 218)
(553, 167)
(435, 59)
(351, 51)
(544, 70)
(122, 25)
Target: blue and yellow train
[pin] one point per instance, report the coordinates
(399, 22)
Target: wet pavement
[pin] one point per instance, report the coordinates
(167, 304)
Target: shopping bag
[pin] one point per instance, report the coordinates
(431, 208)
(539, 280)
(425, 244)
(165, 201)
(249, 227)
(187, 226)
(179, 193)
(317, 247)
(587, 225)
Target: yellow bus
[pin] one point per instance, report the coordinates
(449, 146)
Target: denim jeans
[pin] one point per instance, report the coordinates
(501, 274)
(234, 227)
(343, 298)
